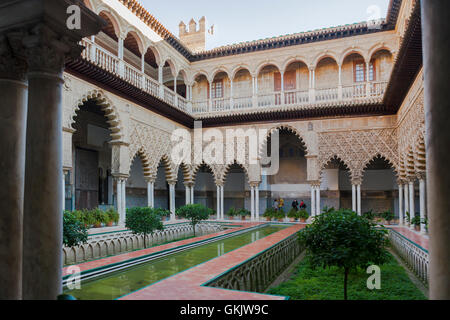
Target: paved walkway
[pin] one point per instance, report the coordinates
(414, 236)
(187, 285)
(135, 254)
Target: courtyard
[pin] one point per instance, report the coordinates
(143, 165)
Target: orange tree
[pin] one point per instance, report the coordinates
(345, 240)
(143, 221)
(194, 213)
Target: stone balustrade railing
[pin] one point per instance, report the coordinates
(113, 243)
(111, 63)
(256, 274)
(416, 257)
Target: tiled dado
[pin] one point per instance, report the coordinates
(188, 285)
(140, 253)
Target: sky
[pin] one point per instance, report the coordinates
(245, 20)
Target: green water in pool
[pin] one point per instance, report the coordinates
(126, 281)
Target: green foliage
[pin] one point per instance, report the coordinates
(232, 212)
(302, 214)
(162, 213)
(74, 231)
(113, 215)
(279, 214)
(195, 213)
(416, 220)
(269, 213)
(370, 215)
(100, 216)
(344, 240)
(244, 212)
(408, 217)
(310, 283)
(292, 213)
(143, 221)
(387, 215)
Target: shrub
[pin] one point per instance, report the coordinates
(195, 213)
(292, 213)
(232, 212)
(345, 240)
(280, 214)
(244, 212)
(369, 215)
(74, 231)
(416, 220)
(113, 215)
(162, 213)
(143, 221)
(269, 213)
(302, 214)
(388, 215)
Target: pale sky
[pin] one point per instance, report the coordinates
(245, 20)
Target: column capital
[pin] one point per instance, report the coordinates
(315, 183)
(421, 175)
(150, 179)
(172, 182)
(11, 66)
(254, 183)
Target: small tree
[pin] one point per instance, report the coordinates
(143, 221)
(74, 231)
(345, 240)
(195, 213)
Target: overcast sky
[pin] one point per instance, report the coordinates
(245, 20)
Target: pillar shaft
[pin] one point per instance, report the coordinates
(42, 224)
(435, 35)
(313, 201)
(412, 211)
(257, 203)
(422, 206)
(406, 201)
(354, 197)
(222, 199)
(358, 199)
(317, 200)
(400, 203)
(13, 112)
(172, 201)
(252, 202)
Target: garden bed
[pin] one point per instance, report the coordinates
(328, 284)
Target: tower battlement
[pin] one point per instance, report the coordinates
(193, 38)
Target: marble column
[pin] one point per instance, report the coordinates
(13, 110)
(358, 199)
(400, 203)
(436, 63)
(47, 42)
(218, 202)
(187, 194)
(406, 199)
(222, 199)
(318, 210)
(151, 193)
(256, 203)
(192, 194)
(42, 232)
(354, 197)
(313, 201)
(118, 196)
(172, 200)
(422, 197)
(252, 202)
(412, 210)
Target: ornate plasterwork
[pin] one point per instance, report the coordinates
(356, 148)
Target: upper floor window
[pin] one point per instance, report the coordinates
(359, 71)
(217, 89)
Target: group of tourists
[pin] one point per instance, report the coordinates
(279, 203)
